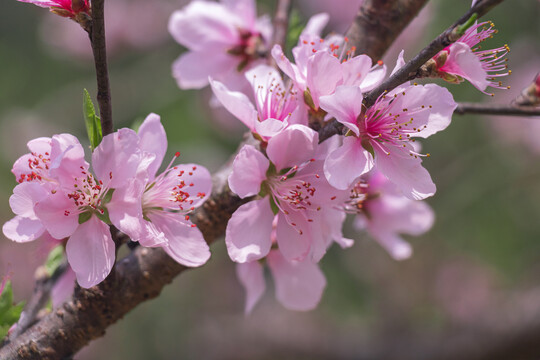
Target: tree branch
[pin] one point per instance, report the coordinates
(449, 36)
(97, 38)
(378, 22)
(281, 22)
(136, 278)
(492, 109)
(40, 296)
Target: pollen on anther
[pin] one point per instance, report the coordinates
(177, 154)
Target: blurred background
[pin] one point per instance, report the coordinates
(472, 285)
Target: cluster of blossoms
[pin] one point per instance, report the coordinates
(300, 189)
(58, 196)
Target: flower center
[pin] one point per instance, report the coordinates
(38, 166)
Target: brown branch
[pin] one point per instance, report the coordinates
(138, 277)
(40, 296)
(281, 22)
(378, 22)
(97, 38)
(450, 35)
(492, 109)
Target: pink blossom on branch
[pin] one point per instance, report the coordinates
(464, 59)
(321, 65)
(382, 136)
(153, 209)
(224, 39)
(39, 173)
(77, 208)
(276, 106)
(295, 199)
(385, 213)
(65, 8)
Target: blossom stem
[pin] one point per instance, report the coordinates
(97, 38)
(491, 109)
(449, 36)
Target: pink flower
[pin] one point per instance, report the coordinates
(39, 173)
(65, 8)
(383, 135)
(462, 60)
(223, 39)
(299, 284)
(276, 106)
(153, 209)
(77, 207)
(323, 65)
(295, 199)
(384, 213)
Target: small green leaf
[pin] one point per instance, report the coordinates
(54, 260)
(93, 123)
(9, 312)
(273, 205)
(84, 217)
(107, 198)
(296, 25)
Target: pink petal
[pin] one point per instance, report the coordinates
(203, 25)
(316, 24)
(293, 146)
(292, 244)
(24, 198)
(185, 243)
(463, 62)
(345, 105)
(289, 69)
(58, 214)
(433, 104)
(192, 69)
(323, 75)
(373, 78)
(248, 232)
(91, 252)
(248, 172)
(21, 229)
(406, 172)
(153, 139)
(117, 158)
(397, 213)
(347, 163)
(67, 159)
(251, 277)
(125, 208)
(270, 127)
(356, 70)
(198, 181)
(398, 248)
(236, 103)
(299, 285)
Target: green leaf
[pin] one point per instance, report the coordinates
(296, 25)
(84, 217)
(9, 313)
(54, 260)
(93, 122)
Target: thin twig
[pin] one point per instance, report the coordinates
(408, 71)
(97, 38)
(281, 22)
(492, 109)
